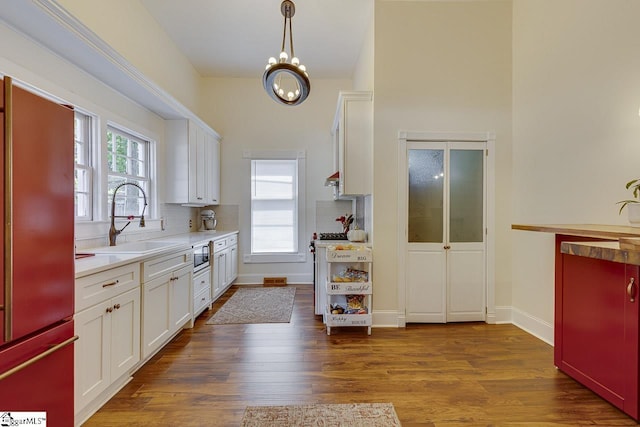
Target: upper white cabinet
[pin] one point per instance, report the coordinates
(193, 164)
(353, 142)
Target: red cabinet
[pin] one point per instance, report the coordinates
(596, 326)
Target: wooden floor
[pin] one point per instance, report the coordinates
(435, 375)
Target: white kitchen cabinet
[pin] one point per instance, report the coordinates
(166, 298)
(232, 259)
(107, 322)
(349, 288)
(219, 267)
(225, 263)
(201, 291)
(353, 142)
(193, 164)
(213, 178)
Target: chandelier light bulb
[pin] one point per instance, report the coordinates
(276, 87)
(272, 61)
(295, 61)
(283, 56)
(290, 96)
(280, 92)
(302, 68)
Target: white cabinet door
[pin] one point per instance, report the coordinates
(353, 142)
(125, 332)
(233, 255)
(91, 352)
(197, 162)
(219, 272)
(156, 327)
(188, 178)
(181, 300)
(213, 170)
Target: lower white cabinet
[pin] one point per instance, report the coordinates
(225, 264)
(108, 347)
(201, 291)
(166, 299)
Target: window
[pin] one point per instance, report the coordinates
(127, 161)
(277, 207)
(83, 172)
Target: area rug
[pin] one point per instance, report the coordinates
(322, 415)
(256, 305)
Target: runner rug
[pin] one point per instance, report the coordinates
(322, 415)
(256, 305)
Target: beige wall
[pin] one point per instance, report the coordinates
(439, 66)
(363, 75)
(576, 130)
(130, 30)
(249, 119)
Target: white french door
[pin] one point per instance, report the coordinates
(445, 220)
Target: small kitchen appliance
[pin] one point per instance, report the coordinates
(208, 220)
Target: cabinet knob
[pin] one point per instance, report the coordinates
(109, 309)
(631, 290)
(117, 306)
(447, 247)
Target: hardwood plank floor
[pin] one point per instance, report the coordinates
(435, 375)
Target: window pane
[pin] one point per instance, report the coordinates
(426, 196)
(83, 167)
(128, 162)
(466, 194)
(274, 206)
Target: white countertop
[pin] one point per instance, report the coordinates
(101, 262)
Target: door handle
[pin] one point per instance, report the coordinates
(631, 290)
(447, 247)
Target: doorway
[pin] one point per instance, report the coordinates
(444, 235)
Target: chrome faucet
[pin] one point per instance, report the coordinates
(113, 231)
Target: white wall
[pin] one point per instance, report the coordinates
(24, 60)
(439, 66)
(249, 119)
(129, 29)
(576, 130)
(363, 75)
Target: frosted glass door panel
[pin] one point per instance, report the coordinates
(466, 205)
(426, 196)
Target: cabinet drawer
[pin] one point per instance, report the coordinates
(165, 264)
(200, 301)
(99, 287)
(202, 281)
(232, 240)
(219, 245)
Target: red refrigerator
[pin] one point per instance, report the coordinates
(37, 295)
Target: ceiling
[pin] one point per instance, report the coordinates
(234, 38)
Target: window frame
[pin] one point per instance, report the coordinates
(145, 181)
(300, 254)
(87, 165)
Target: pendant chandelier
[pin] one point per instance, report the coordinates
(286, 82)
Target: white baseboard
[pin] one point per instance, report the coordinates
(256, 279)
(503, 314)
(533, 325)
(386, 319)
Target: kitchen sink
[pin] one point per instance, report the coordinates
(142, 247)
